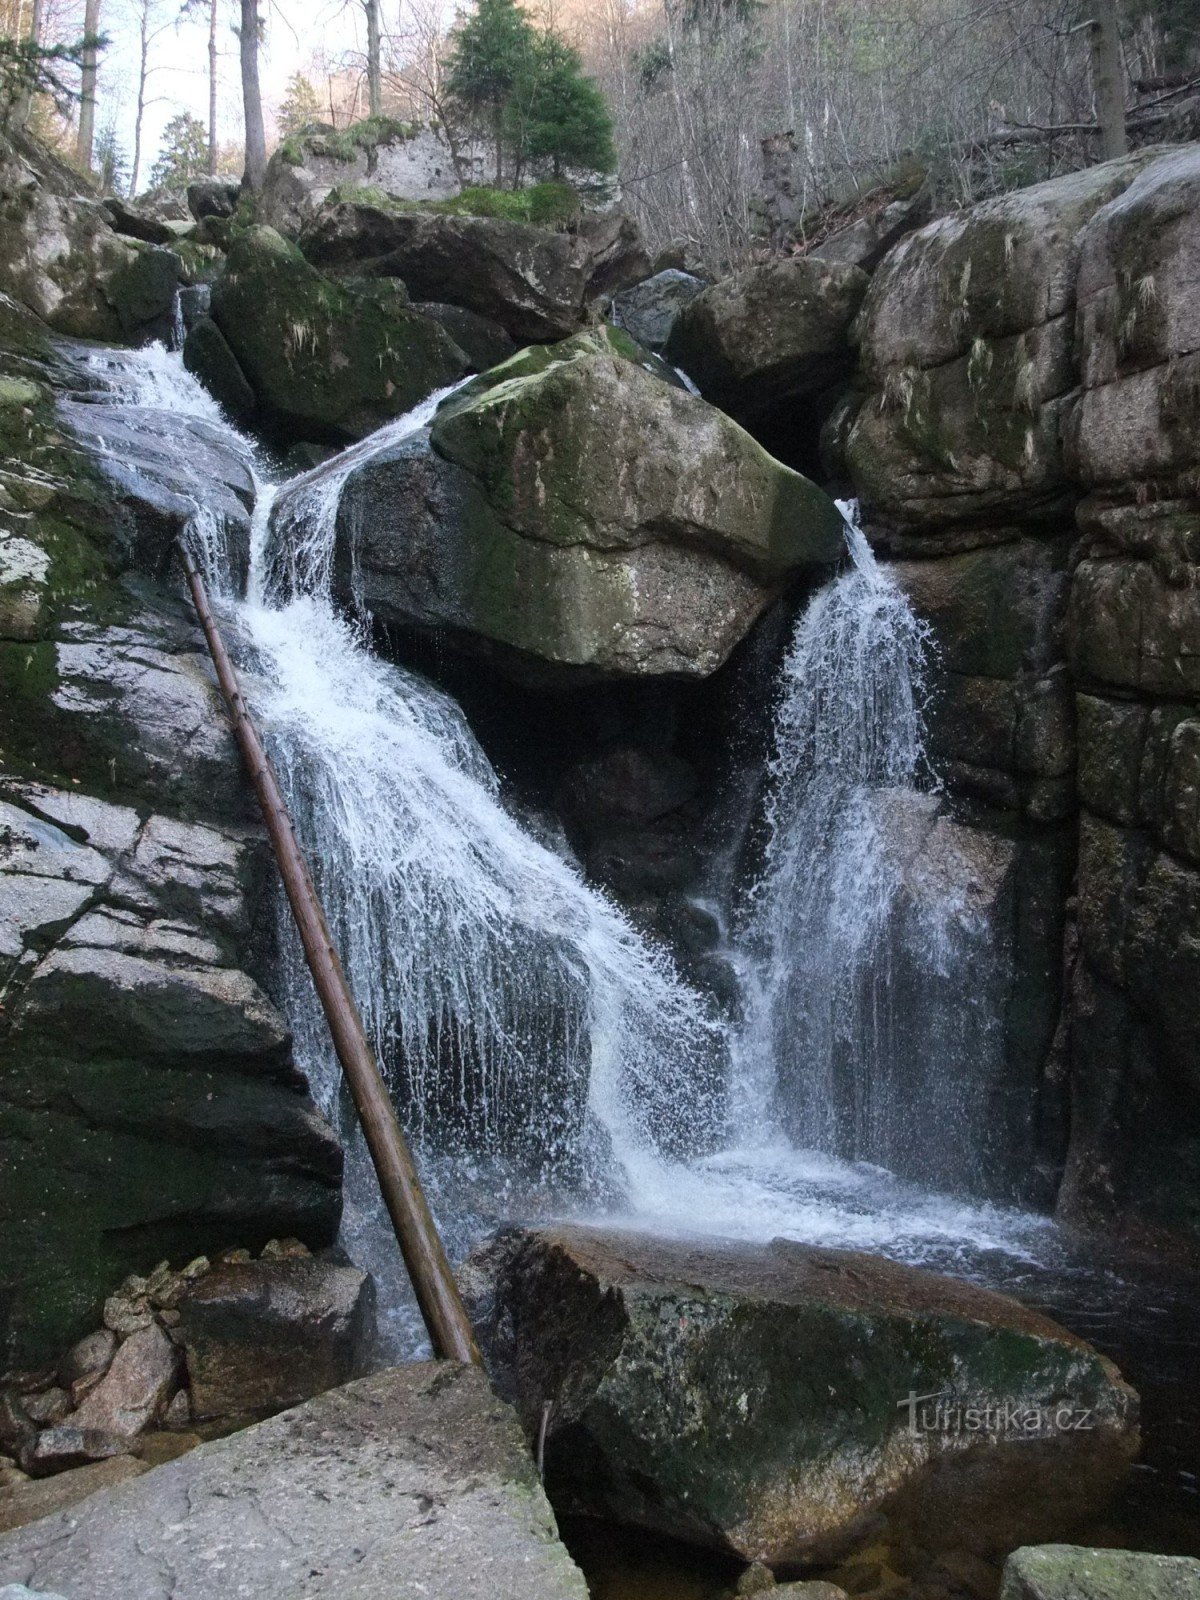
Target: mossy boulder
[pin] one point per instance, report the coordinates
(580, 514)
(1073, 1572)
(775, 1402)
(327, 359)
(533, 281)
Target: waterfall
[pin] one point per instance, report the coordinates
(525, 1026)
(542, 1052)
(872, 1019)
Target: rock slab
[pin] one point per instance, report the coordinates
(1072, 1572)
(763, 1400)
(415, 1482)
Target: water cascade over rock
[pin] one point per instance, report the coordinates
(873, 981)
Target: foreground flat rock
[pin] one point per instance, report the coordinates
(414, 1482)
(1072, 1572)
(761, 1400)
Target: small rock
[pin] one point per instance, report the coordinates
(16, 1425)
(11, 1474)
(157, 1278)
(169, 1317)
(29, 1381)
(179, 1413)
(49, 1407)
(264, 1335)
(284, 1250)
(84, 1386)
(89, 1359)
(136, 1386)
(755, 1579)
(126, 1316)
(196, 1268)
(812, 1589)
(233, 1256)
(167, 1295)
(67, 1445)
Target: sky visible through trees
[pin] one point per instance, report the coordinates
(677, 94)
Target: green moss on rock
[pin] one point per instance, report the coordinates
(329, 359)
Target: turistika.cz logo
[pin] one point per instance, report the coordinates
(944, 1413)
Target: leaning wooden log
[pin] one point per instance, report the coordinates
(424, 1255)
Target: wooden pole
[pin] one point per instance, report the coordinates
(424, 1256)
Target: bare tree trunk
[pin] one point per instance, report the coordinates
(256, 138)
(24, 106)
(87, 89)
(497, 126)
(374, 69)
(139, 117)
(1107, 75)
(212, 88)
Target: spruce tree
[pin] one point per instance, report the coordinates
(184, 153)
(301, 106)
(492, 51)
(565, 119)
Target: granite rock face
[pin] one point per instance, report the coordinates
(1134, 635)
(413, 1482)
(967, 346)
(676, 1399)
(135, 894)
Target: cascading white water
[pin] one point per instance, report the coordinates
(518, 1012)
(872, 968)
(537, 1043)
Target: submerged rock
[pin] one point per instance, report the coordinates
(775, 1401)
(328, 359)
(575, 509)
(413, 1481)
(260, 1336)
(1072, 1572)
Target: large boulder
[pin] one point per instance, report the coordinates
(576, 510)
(774, 1402)
(415, 1481)
(327, 359)
(532, 281)
(774, 332)
(649, 310)
(968, 354)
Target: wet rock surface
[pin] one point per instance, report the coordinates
(264, 1335)
(753, 1399)
(413, 1481)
